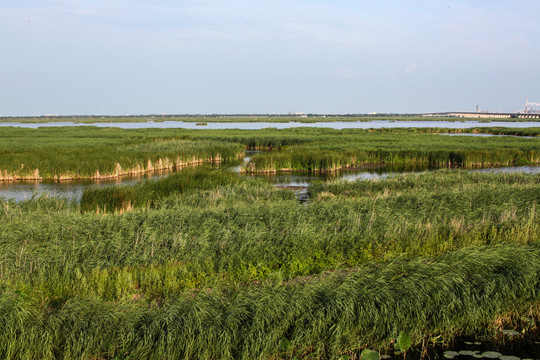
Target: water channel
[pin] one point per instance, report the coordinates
(24, 190)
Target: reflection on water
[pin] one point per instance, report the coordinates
(522, 169)
(67, 189)
(300, 179)
(24, 190)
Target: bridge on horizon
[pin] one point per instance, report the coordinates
(486, 115)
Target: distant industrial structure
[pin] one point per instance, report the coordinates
(486, 115)
(529, 107)
(530, 112)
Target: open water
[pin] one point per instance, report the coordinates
(455, 124)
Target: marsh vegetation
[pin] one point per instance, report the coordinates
(94, 153)
(207, 263)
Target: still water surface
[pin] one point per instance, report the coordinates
(23, 190)
(456, 124)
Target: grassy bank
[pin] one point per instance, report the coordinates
(505, 131)
(221, 267)
(340, 149)
(89, 152)
(150, 193)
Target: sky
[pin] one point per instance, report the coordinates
(117, 57)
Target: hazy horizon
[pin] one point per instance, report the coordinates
(238, 57)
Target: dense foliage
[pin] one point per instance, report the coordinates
(235, 268)
(74, 153)
(90, 152)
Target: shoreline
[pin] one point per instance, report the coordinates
(5, 177)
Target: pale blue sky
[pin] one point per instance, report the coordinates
(237, 56)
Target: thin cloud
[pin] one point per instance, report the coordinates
(323, 47)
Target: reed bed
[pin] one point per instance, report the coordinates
(350, 149)
(457, 181)
(248, 232)
(149, 193)
(65, 153)
(492, 130)
(321, 317)
(89, 152)
(210, 264)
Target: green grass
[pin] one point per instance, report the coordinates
(149, 193)
(338, 313)
(338, 149)
(89, 152)
(244, 230)
(211, 264)
(93, 153)
(534, 131)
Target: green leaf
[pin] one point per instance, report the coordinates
(369, 355)
(404, 341)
